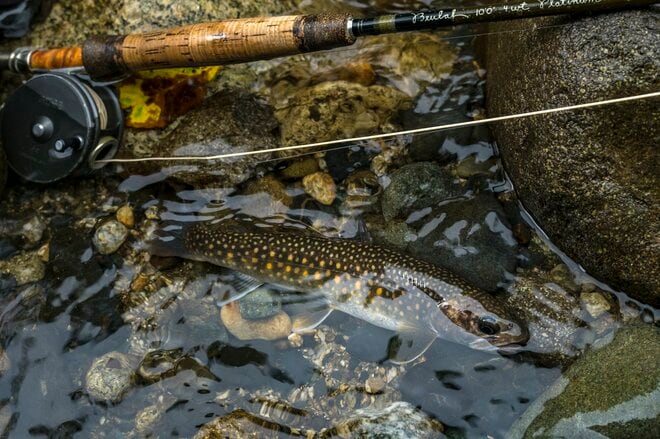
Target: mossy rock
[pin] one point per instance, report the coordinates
(613, 390)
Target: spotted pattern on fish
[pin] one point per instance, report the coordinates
(387, 288)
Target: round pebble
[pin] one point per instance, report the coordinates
(110, 377)
(321, 187)
(276, 327)
(125, 216)
(374, 385)
(110, 236)
(595, 303)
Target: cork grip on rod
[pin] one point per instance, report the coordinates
(214, 43)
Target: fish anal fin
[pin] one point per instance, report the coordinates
(408, 346)
(233, 287)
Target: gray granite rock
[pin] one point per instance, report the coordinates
(110, 377)
(590, 178)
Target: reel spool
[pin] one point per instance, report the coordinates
(57, 125)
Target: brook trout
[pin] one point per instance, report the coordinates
(418, 300)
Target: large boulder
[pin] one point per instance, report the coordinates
(589, 177)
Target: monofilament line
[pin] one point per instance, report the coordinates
(394, 134)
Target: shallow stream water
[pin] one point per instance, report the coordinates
(158, 315)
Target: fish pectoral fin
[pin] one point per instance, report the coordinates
(310, 320)
(233, 287)
(408, 346)
(307, 310)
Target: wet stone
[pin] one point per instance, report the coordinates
(259, 304)
(238, 424)
(300, 168)
(125, 216)
(110, 377)
(147, 418)
(391, 233)
(472, 238)
(400, 420)
(551, 316)
(374, 385)
(338, 109)
(471, 166)
(563, 277)
(24, 268)
(321, 187)
(595, 303)
(34, 230)
(271, 186)
(110, 236)
(5, 363)
(590, 179)
(247, 124)
(273, 328)
(416, 186)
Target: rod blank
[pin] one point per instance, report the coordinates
(253, 39)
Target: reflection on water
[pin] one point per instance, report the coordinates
(125, 344)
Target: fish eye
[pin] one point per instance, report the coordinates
(488, 326)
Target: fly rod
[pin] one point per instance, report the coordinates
(223, 42)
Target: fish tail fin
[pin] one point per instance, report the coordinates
(167, 240)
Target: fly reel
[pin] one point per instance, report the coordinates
(58, 125)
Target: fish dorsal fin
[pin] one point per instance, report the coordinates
(234, 286)
(408, 346)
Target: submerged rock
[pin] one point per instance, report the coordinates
(110, 236)
(25, 268)
(125, 216)
(300, 168)
(110, 377)
(239, 424)
(321, 187)
(5, 362)
(470, 237)
(612, 391)
(336, 110)
(227, 122)
(273, 328)
(3, 169)
(416, 186)
(259, 304)
(271, 186)
(400, 420)
(551, 314)
(590, 178)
